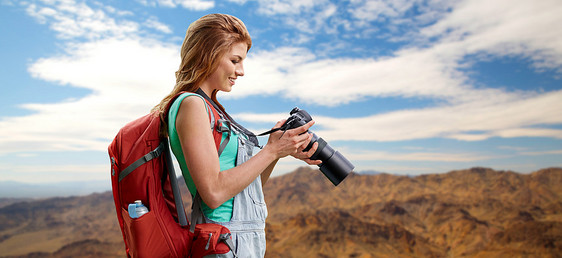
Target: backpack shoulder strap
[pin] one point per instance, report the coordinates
(182, 219)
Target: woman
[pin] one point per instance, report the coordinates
(230, 186)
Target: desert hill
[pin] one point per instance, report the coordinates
(477, 212)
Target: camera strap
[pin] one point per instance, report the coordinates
(270, 131)
(284, 127)
(251, 136)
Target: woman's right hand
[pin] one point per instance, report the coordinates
(287, 143)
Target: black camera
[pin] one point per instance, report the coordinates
(334, 165)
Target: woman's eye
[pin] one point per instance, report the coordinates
(235, 61)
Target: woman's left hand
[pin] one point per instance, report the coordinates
(305, 156)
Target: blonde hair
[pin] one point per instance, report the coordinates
(206, 41)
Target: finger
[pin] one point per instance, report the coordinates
(312, 150)
(313, 162)
(300, 155)
(305, 143)
(304, 128)
(303, 140)
(280, 123)
(302, 147)
(277, 125)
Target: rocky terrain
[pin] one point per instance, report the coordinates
(477, 212)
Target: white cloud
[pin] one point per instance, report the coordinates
(153, 22)
(126, 76)
(196, 5)
(296, 73)
(117, 69)
(308, 16)
(71, 19)
(355, 18)
(167, 3)
(373, 10)
(275, 7)
(113, 10)
(468, 122)
(416, 156)
(431, 72)
(398, 12)
(504, 28)
(512, 148)
(467, 113)
(540, 153)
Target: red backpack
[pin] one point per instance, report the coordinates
(142, 169)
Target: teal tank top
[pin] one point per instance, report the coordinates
(227, 161)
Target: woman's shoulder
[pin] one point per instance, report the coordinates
(193, 107)
(192, 100)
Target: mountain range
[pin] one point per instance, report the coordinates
(14, 189)
(476, 212)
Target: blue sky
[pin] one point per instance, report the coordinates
(403, 87)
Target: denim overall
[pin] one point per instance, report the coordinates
(249, 212)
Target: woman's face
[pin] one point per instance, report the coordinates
(229, 68)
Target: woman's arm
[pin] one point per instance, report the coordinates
(267, 172)
(202, 159)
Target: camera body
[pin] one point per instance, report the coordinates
(334, 165)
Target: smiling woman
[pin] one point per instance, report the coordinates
(225, 179)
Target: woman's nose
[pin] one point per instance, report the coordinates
(240, 70)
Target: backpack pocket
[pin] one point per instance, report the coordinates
(144, 236)
(211, 238)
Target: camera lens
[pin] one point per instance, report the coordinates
(334, 165)
(336, 168)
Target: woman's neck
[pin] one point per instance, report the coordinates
(208, 90)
